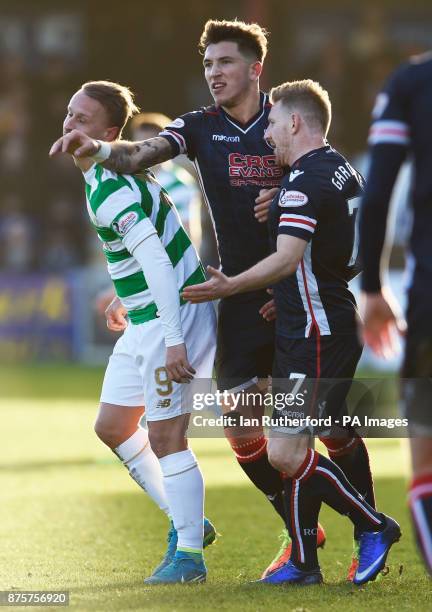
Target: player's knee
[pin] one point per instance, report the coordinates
(109, 432)
(234, 431)
(285, 458)
(278, 457)
(104, 433)
(100, 429)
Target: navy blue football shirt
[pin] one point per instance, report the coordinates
(402, 125)
(233, 162)
(318, 202)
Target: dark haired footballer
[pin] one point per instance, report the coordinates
(402, 125)
(234, 163)
(312, 224)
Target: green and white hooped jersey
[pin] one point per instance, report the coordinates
(125, 210)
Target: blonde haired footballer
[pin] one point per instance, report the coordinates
(166, 341)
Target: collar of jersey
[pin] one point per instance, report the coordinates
(311, 153)
(245, 127)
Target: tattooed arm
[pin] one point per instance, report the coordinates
(126, 157)
(130, 157)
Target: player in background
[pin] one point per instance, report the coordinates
(402, 126)
(235, 165)
(312, 224)
(150, 259)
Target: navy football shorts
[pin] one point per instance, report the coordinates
(311, 380)
(245, 342)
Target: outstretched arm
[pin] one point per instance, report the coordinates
(130, 157)
(266, 272)
(122, 156)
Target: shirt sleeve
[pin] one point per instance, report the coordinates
(119, 210)
(389, 115)
(298, 210)
(162, 282)
(389, 141)
(182, 132)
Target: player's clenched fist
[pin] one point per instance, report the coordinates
(177, 364)
(76, 143)
(116, 315)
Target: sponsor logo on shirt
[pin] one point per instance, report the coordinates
(125, 223)
(294, 174)
(260, 170)
(288, 198)
(222, 137)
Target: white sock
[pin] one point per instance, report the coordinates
(143, 465)
(184, 488)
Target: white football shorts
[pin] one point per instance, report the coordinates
(136, 374)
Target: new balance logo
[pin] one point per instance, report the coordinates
(222, 137)
(166, 403)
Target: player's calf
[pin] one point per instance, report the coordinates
(117, 427)
(349, 452)
(351, 455)
(183, 481)
(250, 449)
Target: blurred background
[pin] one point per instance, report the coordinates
(50, 265)
(69, 515)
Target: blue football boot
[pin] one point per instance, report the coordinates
(373, 550)
(170, 552)
(209, 537)
(290, 574)
(184, 568)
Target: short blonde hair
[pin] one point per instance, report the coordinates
(309, 98)
(117, 100)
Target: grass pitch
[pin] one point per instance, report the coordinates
(71, 518)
